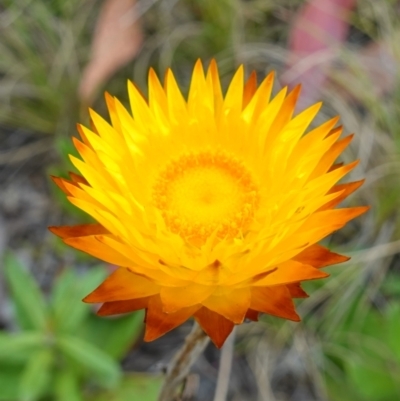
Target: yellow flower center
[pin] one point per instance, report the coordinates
(206, 192)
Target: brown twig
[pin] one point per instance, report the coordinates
(180, 365)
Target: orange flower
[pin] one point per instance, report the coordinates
(211, 206)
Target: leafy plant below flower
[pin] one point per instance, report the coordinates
(61, 346)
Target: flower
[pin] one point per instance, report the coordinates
(211, 206)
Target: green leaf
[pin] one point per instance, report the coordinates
(30, 306)
(9, 380)
(372, 325)
(135, 387)
(114, 336)
(391, 285)
(340, 389)
(14, 347)
(393, 330)
(373, 382)
(93, 359)
(67, 386)
(36, 377)
(67, 306)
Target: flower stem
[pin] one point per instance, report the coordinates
(180, 365)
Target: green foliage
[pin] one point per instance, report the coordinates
(62, 346)
(218, 23)
(16, 348)
(40, 62)
(92, 359)
(370, 364)
(67, 316)
(112, 338)
(372, 382)
(67, 386)
(134, 387)
(9, 382)
(29, 304)
(354, 345)
(36, 375)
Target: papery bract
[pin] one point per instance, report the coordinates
(212, 206)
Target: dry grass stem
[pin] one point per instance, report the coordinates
(179, 367)
(225, 367)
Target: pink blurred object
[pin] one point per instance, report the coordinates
(117, 39)
(318, 30)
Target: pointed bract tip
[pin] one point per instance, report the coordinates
(295, 317)
(91, 299)
(198, 68)
(319, 104)
(168, 76)
(101, 312)
(108, 96)
(295, 92)
(53, 229)
(253, 75)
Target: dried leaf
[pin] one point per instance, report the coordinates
(117, 39)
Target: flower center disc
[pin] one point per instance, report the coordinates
(206, 192)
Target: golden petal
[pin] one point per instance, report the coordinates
(319, 256)
(176, 102)
(345, 189)
(122, 285)
(110, 100)
(296, 291)
(78, 179)
(81, 230)
(216, 326)
(79, 128)
(119, 307)
(275, 301)
(252, 314)
(289, 272)
(175, 298)
(60, 182)
(286, 112)
(158, 322)
(214, 86)
(232, 304)
(93, 247)
(250, 89)
(260, 100)
(329, 158)
(234, 96)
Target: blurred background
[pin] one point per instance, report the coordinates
(57, 58)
